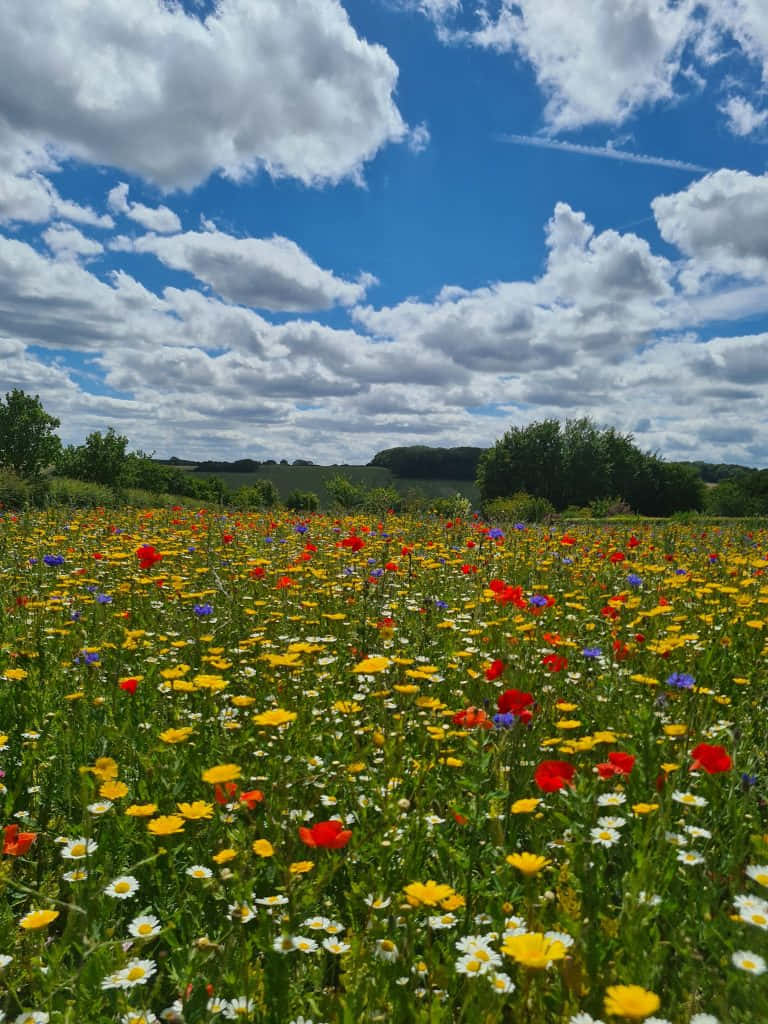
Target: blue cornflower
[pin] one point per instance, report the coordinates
(591, 652)
(681, 572)
(269, 540)
(104, 599)
(440, 604)
(89, 657)
(75, 615)
(519, 526)
(567, 561)
(634, 580)
(203, 609)
(748, 781)
(538, 600)
(376, 573)
(682, 680)
(301, 528)
(53, 559)
(505, 720)
(496, 533)
(33, 561)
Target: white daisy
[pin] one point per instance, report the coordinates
(689, 799)
(758, 873)
(144, 927)
(123, 887)
(690, 857)
(611, 799)
(605, 836)
(335, 946)
(199, 871)
(385, 949)
(76, 849)
(502, 983)
(750, 962)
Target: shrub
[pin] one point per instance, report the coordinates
(15, 493)
(381, 500)
(520, 507)
(302, 501)
(80, 493)
(262, 494)
(458, 506)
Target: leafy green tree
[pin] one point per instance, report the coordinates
(525, 459)
(28, 444)
(102, 459)
(344, 492)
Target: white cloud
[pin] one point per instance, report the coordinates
(66, 241)
(25, 193)
(595, 60)
(267, 273)
(285, 85)
(743, 117)
(719, 223)
(153, 218)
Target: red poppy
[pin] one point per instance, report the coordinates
(711, 758)
(497, 667)
(251, 798)
(16, 843)
(472, 718)
(328, 834)
(284, 581)
(391, 566)
(554, 662)
(617, 556)
(514, 701)
(257, 573)
(567, 539)
(227, 538)
(223, 796)
(353, 543)
(633, 541)
(147, 556)
(618, 763)
(553, 775)
(129, 685)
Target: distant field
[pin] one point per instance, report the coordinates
(313, 478)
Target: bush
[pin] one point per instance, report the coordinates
(458, 506)
(381, 500)
(15, 493)
(345, 493)
(521, 507)
(80, 493)
(602, 508)
(259, 495)
(302, 501)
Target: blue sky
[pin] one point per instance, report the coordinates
(308, 228)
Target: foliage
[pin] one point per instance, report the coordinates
(457, 506)
(519, 508)
(262, 494)
(432, 463)
(745, 494)
(15, 492)
(302, 501)
(381, 500)
(578, 463)
(28, 444)
(344, 492)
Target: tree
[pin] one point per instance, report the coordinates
(101, 460)
(28, 444)
(525, 459)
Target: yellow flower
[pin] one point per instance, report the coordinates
(528, 863)
(177, 735)
(278, 716)
(453, 902)
(263, 848)
(242, 701)
(113, 790)
(222, 773)
(525, 806)
(675, 729)
(371, 665)
(301, 867)
(630, 1001)
(406, 687)
(141, 810)
(644, 808)
(532, 949)
(15, 673)
(347, 707)
(568, 723)
(195, 811)
(105, 768)
(429, 894)
(166, 825)
(38, 919)
(224, 855)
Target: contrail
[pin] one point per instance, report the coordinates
(604, 151)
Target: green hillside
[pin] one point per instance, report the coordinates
(313, 478)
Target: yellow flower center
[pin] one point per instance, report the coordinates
(135, 973)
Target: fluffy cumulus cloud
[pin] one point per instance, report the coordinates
(267, 273)
(285, 85)
(154, 218)
(719, 223)
(600, 61)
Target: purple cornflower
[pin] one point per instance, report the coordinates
(53, 559)
(505, 720)
(634, 580)
(681, 680)
(104, 599)
(203, 609)
(538, 600)
(591, 652)
(496, 533)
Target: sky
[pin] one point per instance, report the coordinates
(317, 229)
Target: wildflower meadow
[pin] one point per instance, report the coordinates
(277, 769)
